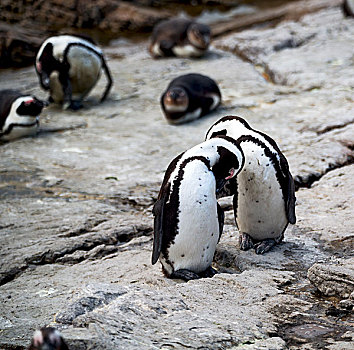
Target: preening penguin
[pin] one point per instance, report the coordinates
(188, 220)
(264, 192)
(19, 114)
(189, 97)
(47, 338)
(179, 37)
(69, 67)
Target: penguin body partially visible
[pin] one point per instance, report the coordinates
(19, 114)
(69, 67)
(348, 8)
(264, 194)
(188, 220)
(47, 338)
(179, 37)
(189, 97)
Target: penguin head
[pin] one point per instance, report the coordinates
(230, 163)
(45, 64)
(176, 99)
(31, 106)
(47, 338)
(199, 35)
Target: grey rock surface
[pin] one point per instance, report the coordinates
(76, 200)
(335, 278)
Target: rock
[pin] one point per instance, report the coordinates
(334, 278)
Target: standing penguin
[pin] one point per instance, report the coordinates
(264, 194)
(70, 66)
(47, 338)
(19, 114)
(188, 220)
(179, 37)
(189, 97)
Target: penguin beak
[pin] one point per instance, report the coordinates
(232, 173)
(220, 183)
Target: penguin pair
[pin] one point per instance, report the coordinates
(19, 114)
(47, 338)
(188, 220)
(69, 67)
(179, 37)
(264, 191)
(189, 97)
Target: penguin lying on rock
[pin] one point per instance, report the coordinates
(19, 114)
(264, 192)
(188, 220)
(47, 338)
(189, 97)
(179, 37)
(69, 67)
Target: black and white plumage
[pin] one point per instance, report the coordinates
(47, 338)
(189, 97)
(179, 37)
(69, 67)
(188, 220)
(348, 8)
(264, 192)
(19, 114)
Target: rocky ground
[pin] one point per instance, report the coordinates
(76, 222)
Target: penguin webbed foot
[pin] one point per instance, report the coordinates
(184, 274)
(245, 241)
(264, 246)
(208, 273)
(75, 105)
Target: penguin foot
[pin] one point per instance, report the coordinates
(185, 275)
(208, 273)
(75, 105)
(245, 241)
(264, 246)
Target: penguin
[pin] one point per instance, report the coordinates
(188, 221)
(47, 338)
(69, 67)
(19, 114)
(348, 8)
(264, 191)
(179, 37)
(189, 97)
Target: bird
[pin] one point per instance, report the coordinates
(189, 97)
(188, 221)
(19, 114)
(179, 37)
(264, 191)
(69, 67)
(47, 338)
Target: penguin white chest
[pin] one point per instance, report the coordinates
(198, 227)
(187, 51)
(260, 205)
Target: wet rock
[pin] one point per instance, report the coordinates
(334, 278)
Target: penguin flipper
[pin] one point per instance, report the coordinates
(166, 47)
(291, 200)
(109, 79)
(158, 211)
(221, 217)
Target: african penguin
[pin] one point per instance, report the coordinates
(19, 114)
(188, 221)
(264, 194)
(69, 67)
(348, 8)
(179, 37)
(47, 338)
(189, 97)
